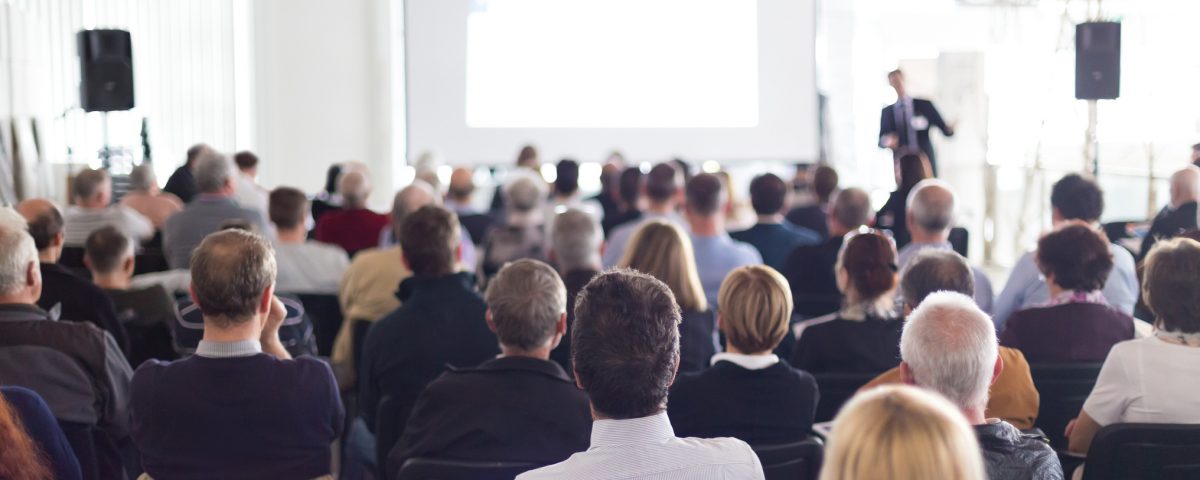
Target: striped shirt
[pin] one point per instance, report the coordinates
(80, 222)
(647, 448)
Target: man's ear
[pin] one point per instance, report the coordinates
(33, 273)
(997, 369)
(675, 373)
(264, 303)
(192, 295)
(490, 322)
(603, 247)
(127, 267)
(551, 258)
(87, 262)
(404, 260)
(57, 241)
(561, 326)
(458, 253)
(906, 375)
(908, 220)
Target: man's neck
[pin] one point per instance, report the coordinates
(975, 415)
(924, 237)
(49, 255)
(1175, 204)
(771, 219)
(542, 353)
(291, 236)
(247, 330)
(23, 298)
(111, 281)
(660, 208)
(92, 205)
(710, 226)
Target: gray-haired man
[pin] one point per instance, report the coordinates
(213, 207)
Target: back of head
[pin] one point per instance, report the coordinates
(950, 347)
(705, 195)
(195, 152)
(1170, 280)
(901, 433)
(1185, 185)
(331, 178)
(932, 271)
(912, 167)
(44, 219)
(825, 182)
(931, 203)
(106, 249)
(245, 160)
(576, 240)
(851, 208)
(768, 194)
(566, 182)
(213, 171)
(1076, 197)
(17, 252)
(231, 269)
(416, 195)
(526, 299)
(142, 178)
(662, 183)
(1077, 257)
(629, 186)
(429, 240)
(527, 157)
(88, 184)
(524, 194)
(355, 187)
(462, 185)
(870, 263)
(661, 249)
(625, 343)
(287, 208)
(756, 307)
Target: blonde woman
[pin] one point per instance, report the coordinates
(662, 250)
(901, 433)
(748, 393)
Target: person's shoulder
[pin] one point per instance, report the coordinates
(1122, 259)
(373, 256)
(725, 450)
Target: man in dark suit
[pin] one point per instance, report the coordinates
(810, 268)
(182, 183)
(1178, 216)
(814, 216)
(519, 407)
(906, 123)
(773, 236)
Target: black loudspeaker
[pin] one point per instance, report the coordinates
(105, 70)
(1098, 60)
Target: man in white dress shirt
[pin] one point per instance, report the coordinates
(625, 352)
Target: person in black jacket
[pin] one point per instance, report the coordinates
(810, 268)
(748, 393)
(182, 183)
(905, 125)
(1178, 216)
(911, 168)
(519, 407)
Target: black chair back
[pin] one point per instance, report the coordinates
(391, 415)
(326, 315)
(441, 469)
(1135, 451)
(99, 458)
(960, 239)
(835, 389)
(1063, 388)
(791, 461)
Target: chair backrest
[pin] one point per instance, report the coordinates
(791, 461)
(1137, 451)
(99, 457)
(326, 315)
(296, 333)
(960, 239)
(1062, 388)
(836, 389)
(442, 469)
(390, 418)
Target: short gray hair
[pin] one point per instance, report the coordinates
(851, 207)
(950, 347)
(142, 178)
(932, 205)
(230, 271)
(355, 187)
(213, 170)
(526, 299)
(416, 195)
(576, 239)
(935, 271)
(88, 182)
(524, 194)
(17, 251)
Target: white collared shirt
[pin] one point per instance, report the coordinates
(647, 448)
(748, 362)
(241, 348)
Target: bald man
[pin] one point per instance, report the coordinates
(459, 198)
(355, 227)
(1180, 214)
(930, 216)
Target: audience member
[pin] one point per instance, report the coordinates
(354, 227)
(65, 295)
(911, 168)
(931, 213)
(1196, 154)
(91, 191)
(241, 407)
(629, 187)
(810, 268)
(1150, 380)
(773, 236)
(77, 368)
(523, 232)
(246, 190)
(35, 448)
(533, 412)
(147, 313)
(459, 198)
(527, 163)
(213, 206)
(305, 266)
(144, 197)
(949, 346)
(440, 321)
(328, 199)
(1013, 397)
(625, 352)
(575, 249)
(815, 216)
(661, 190)
(661, 249)
(183, 183)
(1180, 214)
(864, 336)
(609, 197)
(389, 238)
(877, 434)
(748, 393)
(1072, 198)
(1077, 324)
(566, 193)
(717, 253)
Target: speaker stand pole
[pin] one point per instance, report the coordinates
(1091, 156)
(104, 151)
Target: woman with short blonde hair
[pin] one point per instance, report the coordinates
(901, 433)
(662, 250)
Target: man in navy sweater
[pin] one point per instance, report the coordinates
(241, 407)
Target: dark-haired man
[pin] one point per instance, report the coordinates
(773, 236)
(716, 252)
(241, 407)
(182, 183)
(146, 313)
(661, 190)
(1073, 198)
(625, 352)
(629, 193)
(305, 266)
(246, 191)
(813, 216)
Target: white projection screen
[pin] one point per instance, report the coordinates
(723, 80)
